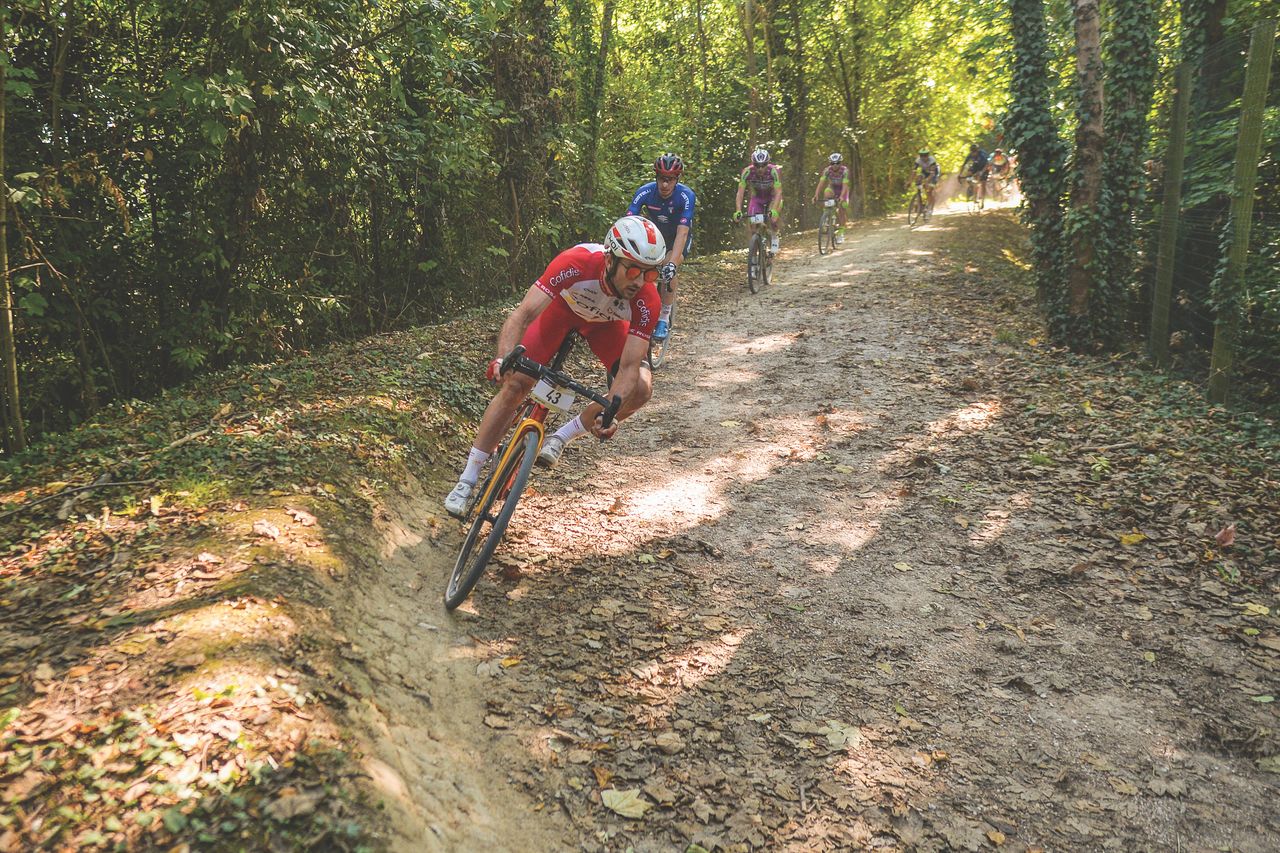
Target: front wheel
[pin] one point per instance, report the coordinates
(824, 224)
(658, 349)
(915, 211)
(755, 263)
(502, 489)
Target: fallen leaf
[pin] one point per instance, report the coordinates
(602, 774)
(995, 836)
(206, 557)
(669, 742)
(1161, 786)
(225, 728)
(294, 805)
(262, 527)
(156, 503)
(1122, 786)
(493, 721)
(730, 424)
(301, 516)
(1132, 538)
(962, 521)
(1265, 699)
(43, 672)
(1226, 537)
(1269, 764)
(509, 662)
(1252, 609)
(626, 803)
(646, 558)
(902, 567)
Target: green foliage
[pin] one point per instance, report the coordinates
(201, 184)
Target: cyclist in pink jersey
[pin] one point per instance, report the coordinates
(834, 183)
(766, 192)
(606, 293)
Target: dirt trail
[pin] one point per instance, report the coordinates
(795, 609)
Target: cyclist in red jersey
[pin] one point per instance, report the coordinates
(606, 293)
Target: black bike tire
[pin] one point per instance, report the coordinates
(915, 210)
(755, 267)
(766, 268)
(466, 571)
(822, 234)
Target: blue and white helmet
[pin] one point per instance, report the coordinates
(760, 157)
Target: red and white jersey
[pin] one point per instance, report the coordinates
(577, 276)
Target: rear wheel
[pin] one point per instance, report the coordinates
(501, 492)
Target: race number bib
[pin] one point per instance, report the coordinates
(552, 397)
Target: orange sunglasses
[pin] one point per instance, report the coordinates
(633, 272)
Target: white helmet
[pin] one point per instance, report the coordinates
(835, 158)
(635, 238)
(760, 157)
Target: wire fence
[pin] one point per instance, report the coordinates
(1217, 314)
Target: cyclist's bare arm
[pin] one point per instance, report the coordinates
(742, 188)
(534, 303)
(631, 384)
(676, 256)
(822, 184)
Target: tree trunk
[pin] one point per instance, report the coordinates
(61, 44)
(15, 438)
(850, 78)
(753, 113)
(594, 101)
(796, 107)
(1090, 140)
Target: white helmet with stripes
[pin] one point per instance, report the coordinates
(636, 239)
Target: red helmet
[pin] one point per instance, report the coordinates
(669, 165)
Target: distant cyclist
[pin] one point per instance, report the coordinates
(604, 292)
(766, 193)
(1001, 165)
(834, 183)
(927, 171)
(669, 205)
(977, 165)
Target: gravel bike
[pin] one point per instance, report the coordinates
(976, 193)
(499, 493)
(759, 257)
(828, 225)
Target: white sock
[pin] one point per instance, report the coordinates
(475, 461)
(573, 429)
(665, 314)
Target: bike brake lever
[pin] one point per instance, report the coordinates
(607, 416)
(512, 357)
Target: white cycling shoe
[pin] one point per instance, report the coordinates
(774, 247)
(549, 455)
(456, 503)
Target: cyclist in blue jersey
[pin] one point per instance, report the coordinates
(669, 205)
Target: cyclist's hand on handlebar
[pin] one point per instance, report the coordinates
(737, 215)
(598, 431)
(667, 272)
(494, 371)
